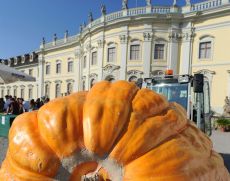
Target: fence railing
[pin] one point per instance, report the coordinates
(136, 11)
(140, 11)
(60, 42)
(161, 10)
(206, 5)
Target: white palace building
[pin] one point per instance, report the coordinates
(130, 44)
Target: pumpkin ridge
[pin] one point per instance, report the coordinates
(132, 149)
(164, 112)
(125, 127)
(133, 135)
(160, 143)
(115, 101)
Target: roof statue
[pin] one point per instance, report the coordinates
(148, 2)
(226, 107)
(174, 2)
(66, 34)
(103, 9)
(55, 37)
(188, 3)
(43, 41)
(90, 17)
(124, 4)
(81, 28)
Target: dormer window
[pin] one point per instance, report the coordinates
(15, 61)
(9, 62)
(32, 56)
(23, 59)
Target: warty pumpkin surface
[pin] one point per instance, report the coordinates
(113, 132)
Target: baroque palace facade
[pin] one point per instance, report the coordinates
(130, 44)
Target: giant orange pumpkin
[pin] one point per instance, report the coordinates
(114, 132)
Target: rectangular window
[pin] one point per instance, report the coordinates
(58, 68)
(47, 69)
(22, 93)
(84, 62)
(2, 93)
(31, 72)
(94, 58)
(70, 66)
(111, 54)
(134, 52)
(205, 50)
(30, 93)
(15, 92)
(159, 51)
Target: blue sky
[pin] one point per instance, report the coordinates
(23, 23)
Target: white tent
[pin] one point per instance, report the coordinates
(10, 75)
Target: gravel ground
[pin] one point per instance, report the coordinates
(221, 144)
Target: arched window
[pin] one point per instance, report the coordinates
(110, 78)
(47, 90)
(8, 91)
(30, 93)
(92, 82)
(23, 92)
(133, 79)
(15, 91)
(58, 66)
(47, 68)
(69, 88)
(2, 93)
(70, 65)
(83, 85)
(58, 90)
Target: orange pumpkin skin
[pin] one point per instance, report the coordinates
(137, 132)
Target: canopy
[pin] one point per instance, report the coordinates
(10, 75)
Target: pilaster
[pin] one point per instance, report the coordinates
(147, 54)
(186, 50)
(77, 67)
(124, 47)
(88, 48)
(100, 58)
(172, 58)
(41, 62)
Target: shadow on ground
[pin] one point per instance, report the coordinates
(226, 158)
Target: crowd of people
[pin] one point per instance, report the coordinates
(14, 105)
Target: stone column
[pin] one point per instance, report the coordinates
(186, 51)
(147, 53)
(124, 48)
(88, 65)
(100, 57)
(40, 80)
(77, 69)
(172, 58)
